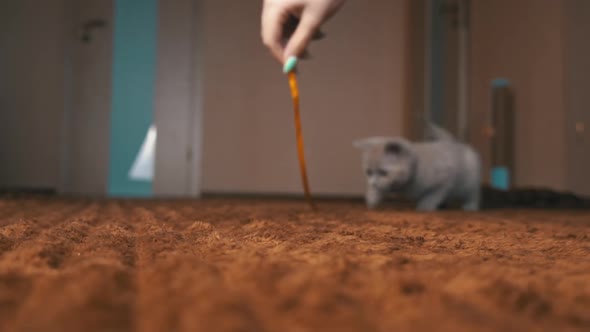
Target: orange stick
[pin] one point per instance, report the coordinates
(299, 134)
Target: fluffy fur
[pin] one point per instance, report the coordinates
(433, 172)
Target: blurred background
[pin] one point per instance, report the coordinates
(178, 98)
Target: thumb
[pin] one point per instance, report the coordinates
(306, 30)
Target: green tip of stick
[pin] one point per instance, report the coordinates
(290, 64)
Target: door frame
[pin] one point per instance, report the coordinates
(194, 176)
(434, 64)
(178, 106)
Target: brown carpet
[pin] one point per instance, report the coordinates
(251, 265)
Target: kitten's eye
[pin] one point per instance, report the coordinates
(369, 172)
(393, 148)
(381, 172)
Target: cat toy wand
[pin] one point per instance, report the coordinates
(289, 69)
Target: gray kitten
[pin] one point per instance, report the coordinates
(432, 172)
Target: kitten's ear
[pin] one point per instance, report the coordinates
(375, 141)
(437, 133)
(396, 147)
(362, 143)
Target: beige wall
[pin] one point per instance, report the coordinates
(354, 87)
(31, 92)
(522, 41)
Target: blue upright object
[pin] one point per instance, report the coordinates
(500, 178)
(134, 73)
(502, 145)
(500, 83)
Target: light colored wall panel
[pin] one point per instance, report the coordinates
(31, 92)
(352, 88)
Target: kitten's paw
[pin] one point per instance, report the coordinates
(471, 206)
(472, 202)
(426, 208)
(373, 205)
(431, 202)
(372, 198)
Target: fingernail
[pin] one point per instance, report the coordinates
(290, 64)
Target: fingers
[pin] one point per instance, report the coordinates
(273, 19)
(305, 32)
(294, 23)
(289, 29)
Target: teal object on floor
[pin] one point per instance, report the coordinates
(134, 75)
(500, 178)
(500, 83)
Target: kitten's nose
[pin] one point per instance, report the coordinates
(372, 181)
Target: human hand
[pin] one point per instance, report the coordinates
(288, 26)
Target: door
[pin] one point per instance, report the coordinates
(448, 67)
(577, 67)
(579, 151)
(89, 81)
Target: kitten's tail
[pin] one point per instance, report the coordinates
(436, 133)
